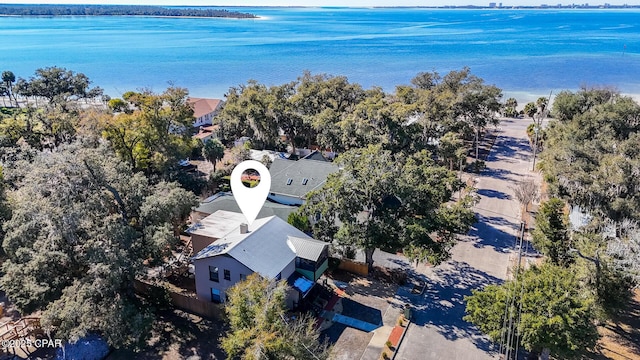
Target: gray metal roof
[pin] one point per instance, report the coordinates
(265, 249)
(308, 248)
(297, 178)
(226, 202)
(218, 224)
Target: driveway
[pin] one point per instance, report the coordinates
(481, 258)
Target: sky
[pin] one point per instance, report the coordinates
(342, 3)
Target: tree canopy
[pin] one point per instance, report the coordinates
(551, 234)
(392, 192)
(592, 157)
(390, 203)
(259, 328)
(82, 225)
(156, 134)
(550, 312)
(591, 163)
(591, 160)
(330, 112)
(57, 85)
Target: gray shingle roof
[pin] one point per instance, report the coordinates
(297, 178)
(265, 249)
(226, 202)
(316, 155)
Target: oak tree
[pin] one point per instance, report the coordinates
(82, 225)
(388, 202)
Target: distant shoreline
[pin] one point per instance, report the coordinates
(54, 10)
(445, 7)
(256, 17)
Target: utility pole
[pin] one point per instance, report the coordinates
(535, 148)
(511, 334)
(537, 128)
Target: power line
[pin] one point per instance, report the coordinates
(509, 333)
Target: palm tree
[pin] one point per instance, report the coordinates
(510, 107)
(530, 109)
(8, 78)
(213, 151)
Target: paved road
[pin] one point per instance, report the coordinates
(483, 257)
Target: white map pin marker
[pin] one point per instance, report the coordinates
(250, 200)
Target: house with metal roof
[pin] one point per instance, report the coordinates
(225, 201)
(291, 181)
(270, 247)
(211, 228)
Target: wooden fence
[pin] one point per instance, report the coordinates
(354, 267)
(185, 302)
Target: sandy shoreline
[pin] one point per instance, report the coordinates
(524, 97)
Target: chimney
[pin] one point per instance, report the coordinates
(244, 228)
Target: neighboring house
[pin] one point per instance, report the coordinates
(258, 155)
(314, 152)
(204, 110)
(270, 247)
(207, 133)
(241, 141)
(292, 180)
(226, 202)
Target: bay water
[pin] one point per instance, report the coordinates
(527, 53)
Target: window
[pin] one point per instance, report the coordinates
(227, 274)
(289, 181)
(215, 295)
(305, 181)
(242, 277)
(213, 274)
(305, 264)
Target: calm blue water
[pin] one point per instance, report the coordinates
(521, 51)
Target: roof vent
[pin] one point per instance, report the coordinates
(289, 181)
(244, 228)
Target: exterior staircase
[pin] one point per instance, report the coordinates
(20, 329)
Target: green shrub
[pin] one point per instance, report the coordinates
(333, 263)
(158, 297)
